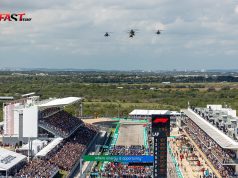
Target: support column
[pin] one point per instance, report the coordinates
(81, 109)
(236, 166)
(236, 169)
(81, 167)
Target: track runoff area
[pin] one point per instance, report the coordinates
(132, 153)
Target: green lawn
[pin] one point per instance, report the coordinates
(110, 101)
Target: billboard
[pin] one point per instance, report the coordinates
(8, 117)
(160, 132)
(161, 125)
(120, 158)
(30, 122)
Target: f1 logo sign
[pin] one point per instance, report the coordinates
(160, 120)
(161, 125)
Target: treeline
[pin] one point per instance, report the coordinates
(114, 77)
(113, 99)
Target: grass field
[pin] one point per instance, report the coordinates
(110, 101)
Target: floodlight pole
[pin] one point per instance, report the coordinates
(81, 109)
(118, 111)
(81, 169)
(29, 139)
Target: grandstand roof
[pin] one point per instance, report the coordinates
(8, 159)
(61, 102)
(49, 147)
(35, 144)
(28, 94)
(176, 113)
(6, 97)
(143, 112)
(218, 136)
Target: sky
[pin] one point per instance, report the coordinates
(197, 34)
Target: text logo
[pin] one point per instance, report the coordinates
(156, 134)
(14, 17)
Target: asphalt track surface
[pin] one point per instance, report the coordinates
(131, 134)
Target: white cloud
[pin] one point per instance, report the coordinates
(75, 28)
(236, 10)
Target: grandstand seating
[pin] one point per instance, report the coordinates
(120, 170)
(64, 157)
(38, 168)
(73, 147)
(123, 150)
(212, 150)
(61, 123)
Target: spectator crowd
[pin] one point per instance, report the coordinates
(122, 170)
(73, 147)
(217, 155)
(64, 157)
(61, 123)
(38, 168)
(124, 150)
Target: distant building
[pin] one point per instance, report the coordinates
(6, 98)
(10, 162)
(166, 83)
(147, 114)
(19, 74)
(41, 74)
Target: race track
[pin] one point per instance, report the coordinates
(131, 134)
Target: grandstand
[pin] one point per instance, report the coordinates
(43, 131)
(60, 154)
(202, 125)
(31, 118)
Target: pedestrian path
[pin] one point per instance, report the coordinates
(178, 171)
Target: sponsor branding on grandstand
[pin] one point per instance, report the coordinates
(126, 159)
(14, 17)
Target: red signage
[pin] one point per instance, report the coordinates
(160, 120)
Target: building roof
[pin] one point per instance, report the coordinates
(34, 143)
(6, 97)
(28, 94)
(49, 147)
(176, 113)
(218, 136)
(61, 102)
(9, 159)
(144, 112)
